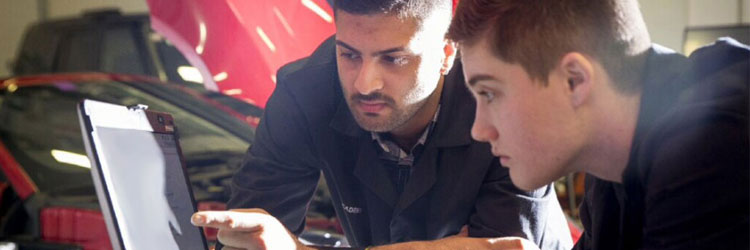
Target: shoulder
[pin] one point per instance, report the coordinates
(709, 117)
(717, 79)
(702, 138)
(309, 84)
(320, 64)
(719, 57)
(706, 149)
(698, 149)
(695, 176)
(695, 189)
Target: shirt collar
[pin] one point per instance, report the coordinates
(661, 68)
(389, 146)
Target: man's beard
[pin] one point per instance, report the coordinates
(378, 122)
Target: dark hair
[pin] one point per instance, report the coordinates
(403, 8)
(537, 33)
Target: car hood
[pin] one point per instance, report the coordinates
(237, 45)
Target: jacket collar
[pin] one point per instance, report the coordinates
(659, 89)
(343, 120)
(456, 113)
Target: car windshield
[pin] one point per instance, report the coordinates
(40, 126)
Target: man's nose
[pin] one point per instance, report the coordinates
(482, 129)
(369, 79)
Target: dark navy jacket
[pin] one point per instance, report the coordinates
(308, 128)
(687, 182)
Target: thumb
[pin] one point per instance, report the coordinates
(231, 220)
(512, 243)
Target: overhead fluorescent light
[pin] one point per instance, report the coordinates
(221, 76)
(190, 74)
(71, 158)
(265, 39)
(233, 91)
(318, 10)
(202, 39)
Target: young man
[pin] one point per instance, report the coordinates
(379, 110)
(576, 85)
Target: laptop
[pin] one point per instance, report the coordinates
(140, 177)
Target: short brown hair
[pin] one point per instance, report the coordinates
(537, 33)
(403, 8)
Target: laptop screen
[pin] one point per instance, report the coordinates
(147, 188)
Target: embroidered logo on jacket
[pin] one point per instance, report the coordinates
(351, 209)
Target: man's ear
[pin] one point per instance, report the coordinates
(578, 72)
(450, 49)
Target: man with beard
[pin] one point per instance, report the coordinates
(382, 112)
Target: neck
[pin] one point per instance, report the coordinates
(407, 135)
(614, 127)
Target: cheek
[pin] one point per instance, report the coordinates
(532, 128)
(423, 81)
(507, 117)
(518, 131)
(347, 76)
(542, 134)
(408, 87)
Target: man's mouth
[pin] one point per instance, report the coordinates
(371, 106)
(504, 160)
(503, 157)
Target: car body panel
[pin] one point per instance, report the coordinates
(239, 45)
(108, 41)
(39, 215)
(17, 177)
(83, 227)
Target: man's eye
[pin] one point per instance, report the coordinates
(350, 56)
(397, 60)
(487, 96)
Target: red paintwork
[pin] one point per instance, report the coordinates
(77, 226)
(89, 77)
(17, 177)
(575, 232)
(327, 224)
(232, 43)
(3, 187)
(46, 79)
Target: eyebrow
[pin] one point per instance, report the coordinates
(480, 77)
(382, 52)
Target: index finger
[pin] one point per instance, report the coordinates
(229, 220)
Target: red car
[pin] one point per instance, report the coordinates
(47, 198)
(237, 46)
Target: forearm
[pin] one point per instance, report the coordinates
(461, 243)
